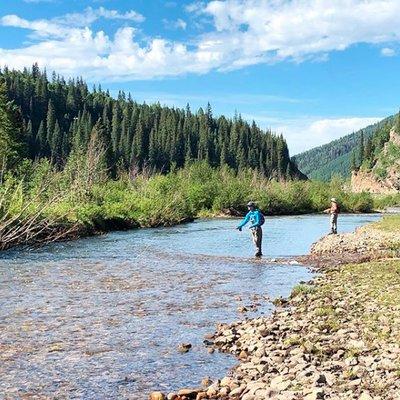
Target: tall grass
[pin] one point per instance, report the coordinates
(81, 195)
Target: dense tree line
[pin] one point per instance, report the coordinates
(58, 117)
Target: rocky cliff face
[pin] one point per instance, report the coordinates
(384, 178)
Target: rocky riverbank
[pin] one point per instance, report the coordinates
(367, 240)
(337, 337)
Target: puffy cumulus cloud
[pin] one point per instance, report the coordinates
(241, 33)
(69, 45)
(97, 56)
(253, 31)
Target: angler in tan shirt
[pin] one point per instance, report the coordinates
(334, 211)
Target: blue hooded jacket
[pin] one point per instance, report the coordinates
(253, 217)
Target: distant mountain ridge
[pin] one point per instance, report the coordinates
(322, 162)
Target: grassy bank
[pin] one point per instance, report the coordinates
(39, 200)
(389, 224)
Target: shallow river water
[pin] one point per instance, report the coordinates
(101, 318)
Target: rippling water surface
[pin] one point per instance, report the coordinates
(101, 318)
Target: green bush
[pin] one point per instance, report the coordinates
(75, 197)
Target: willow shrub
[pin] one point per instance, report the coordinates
(159, 199)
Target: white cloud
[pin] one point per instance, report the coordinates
(243, 32)
(91, 15)
(43, 27)
(388, 52)
(175, 24)
(254, 31)
(304, 133)
(195, 7)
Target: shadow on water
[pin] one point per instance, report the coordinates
(102, 317)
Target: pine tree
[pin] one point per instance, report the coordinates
(353, 162)
(41, 139)
(361, 149)
(115, 128)
(137, 158)
(56, 144)
(50, 123)
(31, 140)
(368, 153)
(8, 144)
(103, 139)
(397, 125)
(153, 153)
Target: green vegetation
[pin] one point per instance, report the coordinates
(302, 289)
(380, 154)
(76, 162)
(335, 158)
(82, 197)
(385, 160)
(390, 223)
(372, 285)
(383, 201)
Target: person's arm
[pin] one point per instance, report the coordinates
(244, 222)
(256, 220)
(328, 210)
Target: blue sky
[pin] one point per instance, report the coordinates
(310, 69)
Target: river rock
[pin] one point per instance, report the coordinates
(211, 391)
(224, 391)
(238, 391)
(365, 396)
(206, 382)
(157, 396)
(184, 347)
(316, 394)
(191, 393)
(227, 381)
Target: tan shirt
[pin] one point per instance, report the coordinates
(334, 209)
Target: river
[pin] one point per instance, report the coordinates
(101, 317)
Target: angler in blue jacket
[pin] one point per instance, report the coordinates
(256, 219)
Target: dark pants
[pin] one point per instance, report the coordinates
(256, 234)
(334, 223)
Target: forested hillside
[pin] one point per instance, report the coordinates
(376, 164)
(336, 157)
(58, 117)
